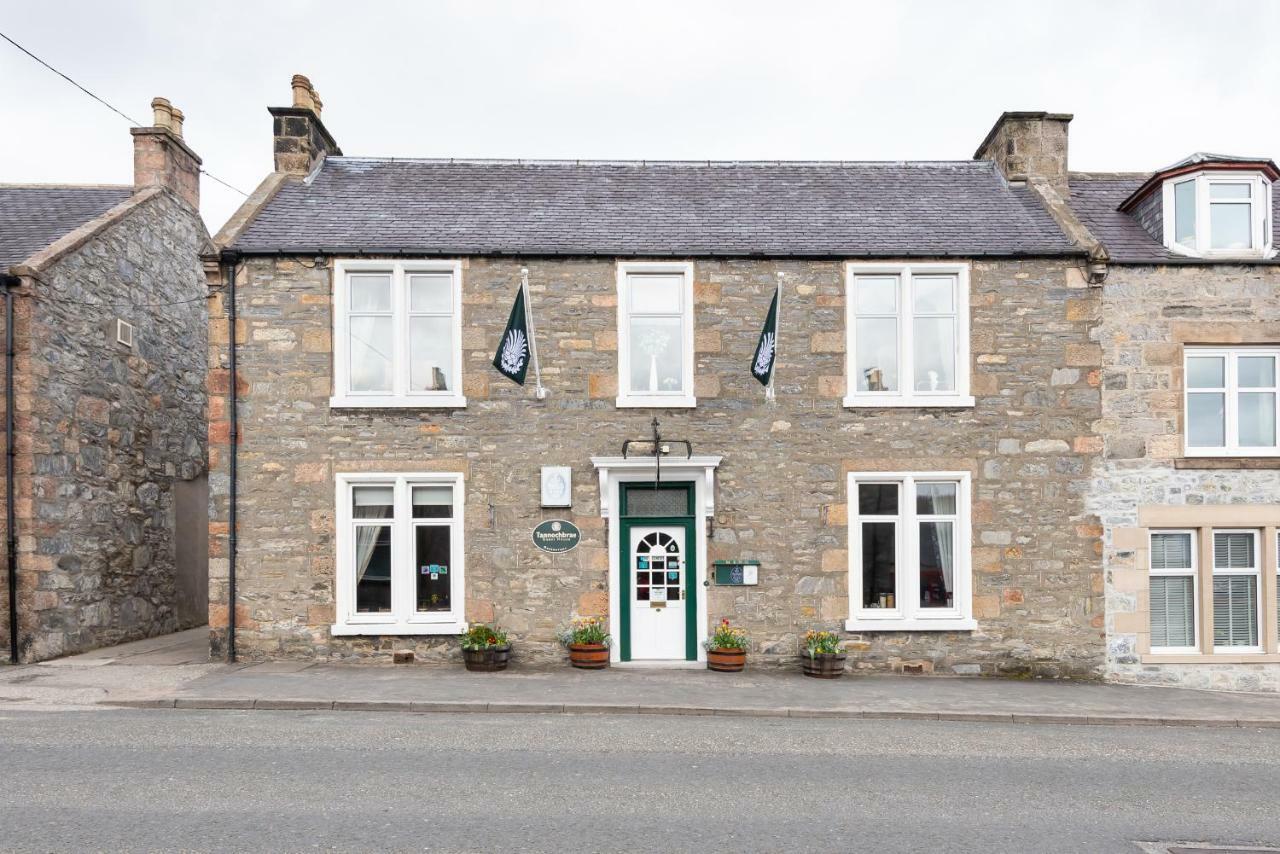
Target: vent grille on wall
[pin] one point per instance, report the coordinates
(124, 333)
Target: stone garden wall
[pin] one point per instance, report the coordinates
(1029, 444)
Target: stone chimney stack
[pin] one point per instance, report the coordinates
(1028, 146)
(300, 138)
(162, 159)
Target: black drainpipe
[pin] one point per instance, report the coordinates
(229, 266)
(11, 522)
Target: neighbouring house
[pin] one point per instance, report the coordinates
(107, 303)
(919, 481)
(1188, 488)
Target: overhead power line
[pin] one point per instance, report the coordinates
(107, 104)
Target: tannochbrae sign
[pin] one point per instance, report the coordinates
(556, 535)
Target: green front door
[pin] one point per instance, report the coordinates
(657, 572)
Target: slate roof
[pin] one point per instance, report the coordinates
(34, 216)
(645, 208)
(1096, 197)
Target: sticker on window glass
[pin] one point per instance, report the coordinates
(658, 594)
(673, 576)
(657, 563)
(673, 563)
(642, 563)
(435, 570)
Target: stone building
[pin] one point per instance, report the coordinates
(108, 403)
(918, 480)
(1188, 487)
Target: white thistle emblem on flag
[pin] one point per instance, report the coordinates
(765, 357)
(513, 352)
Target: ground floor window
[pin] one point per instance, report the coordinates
(909, 566)
(399, 554)
(1207, 591)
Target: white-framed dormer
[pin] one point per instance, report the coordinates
(397, 334)
(907, 335)
(655, 334)
(1217, 213)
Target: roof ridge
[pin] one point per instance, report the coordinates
(15, 186)
(497, 161)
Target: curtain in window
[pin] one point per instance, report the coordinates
(946, 551)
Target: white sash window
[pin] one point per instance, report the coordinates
(655, 335)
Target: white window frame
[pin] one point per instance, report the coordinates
(1260, 214)
(907, 615)
(403, 619)
(906, 395)
(685, 398)
(1193, 573)
(1232, 446)
(1256, 572)
(400, 395)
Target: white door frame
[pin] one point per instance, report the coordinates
(700, 470)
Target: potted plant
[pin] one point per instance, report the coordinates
(823, 655)
(726, 648)
(485, 648)
(587, 642)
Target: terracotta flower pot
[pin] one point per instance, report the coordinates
(726, 660)
(823, 665)
(487, 660)
(589, 656)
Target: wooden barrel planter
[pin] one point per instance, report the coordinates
(487, 660)
(726, 660)
(589, 656)
(824, 665)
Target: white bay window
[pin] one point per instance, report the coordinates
(909, 552)
(907, 335)
(397, 334)
(399, 554)
(1218, 213)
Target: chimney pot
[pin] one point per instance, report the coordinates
(299, 138)
(176, 127)
(162, 113)
(303, 93)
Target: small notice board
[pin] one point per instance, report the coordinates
(738, 573)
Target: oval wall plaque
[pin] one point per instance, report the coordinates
(556, 535)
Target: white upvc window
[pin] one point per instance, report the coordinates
(909, 552)
(397, 334)
(400, 557)
(1218, 214)
(907, 335)
(1174, 602)
(1232, 401)
(655, 335)
(1236, 596)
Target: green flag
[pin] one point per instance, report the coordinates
(512, 358)
(767, 346)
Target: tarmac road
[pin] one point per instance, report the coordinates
(306, 781)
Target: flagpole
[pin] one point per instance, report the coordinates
(540, 393)
(769, 393)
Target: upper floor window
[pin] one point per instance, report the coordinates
(907, 335)
(397, 334)
(655, 335)
(1231, 401)
(1218, 213)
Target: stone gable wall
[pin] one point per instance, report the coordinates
(1148, 313)
(104, 431)
(781, 487)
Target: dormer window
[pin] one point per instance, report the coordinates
(1218, 214)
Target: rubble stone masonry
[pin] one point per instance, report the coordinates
(1029, 444)
(104, 431)
(1148, 314)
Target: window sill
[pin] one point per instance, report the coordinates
(397, 402)
(654, 401)
(866, 401)
(352, 629)
(955, 624)
(1243, 462)
(1218, 658)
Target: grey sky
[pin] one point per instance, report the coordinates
(1148, 81)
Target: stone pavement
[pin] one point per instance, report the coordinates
(173, 672)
